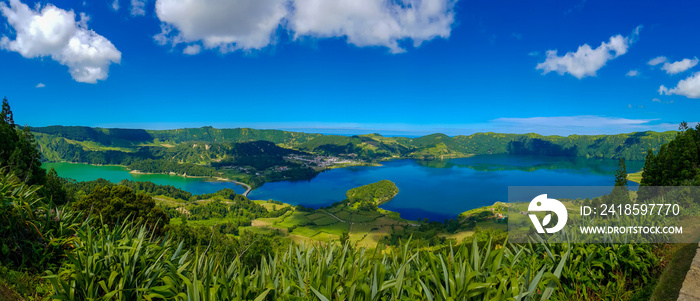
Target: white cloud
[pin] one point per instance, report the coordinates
(192, 49)
(165, 35)
(534, 53)
(661, 101)
(574, 121)
(679, 66)
(225, 24)
(373, 22)
(689, 87)
(115, 5)
(586, 61)
(580, 125)
(230, 25)
(657, 60)
(53, 32)
(632, 73)
(138, 7)
(40, 85)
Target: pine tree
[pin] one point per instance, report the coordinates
(651, 175)
(25, 159)
(8, 135)
(6, 113)
(621, 174)
(620, 193)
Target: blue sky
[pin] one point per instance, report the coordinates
(354, 66)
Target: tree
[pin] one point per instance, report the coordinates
(255, 246)
(8, 135)
(6, 113)
(651, 174)
(111, 205)
(620, 193)
(621, 174)
(677, 162)
(18, 150)
(53, 188)
(25, 160)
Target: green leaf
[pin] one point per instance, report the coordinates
(263, 295)
(319, 295)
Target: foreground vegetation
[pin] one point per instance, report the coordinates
(126, 261)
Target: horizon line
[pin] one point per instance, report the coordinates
(359, 132)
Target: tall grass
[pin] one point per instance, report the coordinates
(34, 234)
(127, 263)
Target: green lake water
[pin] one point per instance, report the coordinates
(85, 172)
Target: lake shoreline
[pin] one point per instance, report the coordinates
(138, 172)
(436, 190)
(218, 179)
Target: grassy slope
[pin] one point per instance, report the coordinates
(366, 228)
(669, 283)
(676, 261)
(635, 177)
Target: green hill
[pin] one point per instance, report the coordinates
(63, 143)
(364, 146)
(376, 193)
(210, 134)
(630, 146)
(106, 137)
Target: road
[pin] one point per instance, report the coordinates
(248, 188)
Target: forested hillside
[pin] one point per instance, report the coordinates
(631, 146)
(676, 163)
(131, 137)
(83, 144)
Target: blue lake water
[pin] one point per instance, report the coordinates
(444, 188)
(436, 189)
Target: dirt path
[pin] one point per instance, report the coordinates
(339, 219)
